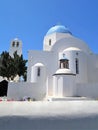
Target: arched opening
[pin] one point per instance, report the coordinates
(17, 44)
(3, 88)
(64, 63)
(13, 44)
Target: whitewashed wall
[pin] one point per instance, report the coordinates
(92, 68)
(64, 85)
(82, 58)
(49, 60)
(20, 90)
(54, 38)
(71, 41)
(87, 90)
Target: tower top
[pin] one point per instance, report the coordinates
(15, 46)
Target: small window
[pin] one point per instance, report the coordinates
(38, 71)
(77, 66)
(13, 44)
(49, 42)
(63, 55)
(77, 53)
(17, 44)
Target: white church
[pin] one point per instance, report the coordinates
(66, 67)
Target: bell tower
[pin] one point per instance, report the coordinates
(15, 46)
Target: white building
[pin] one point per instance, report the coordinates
(65, 68)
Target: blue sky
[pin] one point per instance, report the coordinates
(29, 20)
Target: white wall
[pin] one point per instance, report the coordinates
(46, 46)
(97, 60)
(92, 68)
(87, 90)
(49, 60)
(71, 41)
(19, 90)
(64, 85)
(54, 38)
(41, 78)
(71, 55)
(69, 87)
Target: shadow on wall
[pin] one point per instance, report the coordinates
(3, 88)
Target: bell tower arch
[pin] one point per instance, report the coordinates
(15, 46)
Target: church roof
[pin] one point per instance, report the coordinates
(58, 29)
(64, 72)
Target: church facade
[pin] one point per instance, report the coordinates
(66, 67)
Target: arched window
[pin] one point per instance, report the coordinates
(38, 71)
(49, 42)
(13, 44)
(77, 66)
(17, 44)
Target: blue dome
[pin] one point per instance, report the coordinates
(58, 29)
